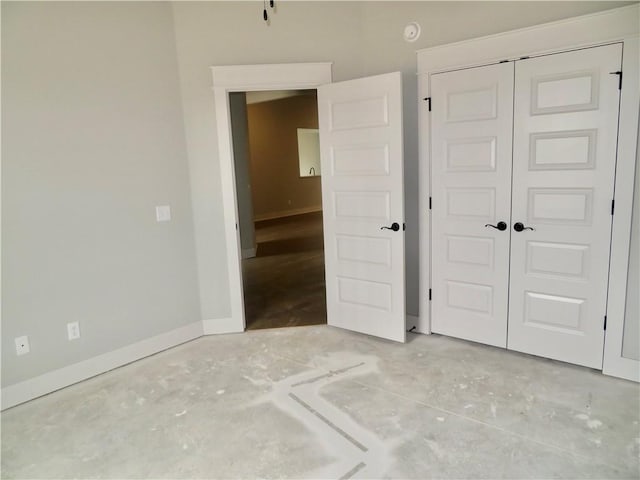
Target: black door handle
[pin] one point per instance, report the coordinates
(394, 226)
(518, 227)
(502, 226)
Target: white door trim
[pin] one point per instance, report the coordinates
(616, 25)
(247, 78)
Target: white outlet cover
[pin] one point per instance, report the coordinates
(163, 213)
(22, 345)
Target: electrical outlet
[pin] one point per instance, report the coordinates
(22, 345)
(73, 330)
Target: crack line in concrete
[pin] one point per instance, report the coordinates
(353, 471)
(327, 375)
(328, 422)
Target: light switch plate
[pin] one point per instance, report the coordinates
(163, 213)
(73, 330)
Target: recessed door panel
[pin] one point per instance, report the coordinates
(471, 203)
(564, 92)
(564, 150)
(471, 154)
(469, 104)
(565, 130)
(359, 249)
(365, 206)
(560, 206)
(471, 173)
(360, 160)
(554, 313)
(359, 113)
(558, 260)
(470, 250)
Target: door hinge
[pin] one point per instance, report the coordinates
(429, 294)
(613, 206)
(619, 73)
(429, 203)
(605, 322)
(236, 226)
(428, 99)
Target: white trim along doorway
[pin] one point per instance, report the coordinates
(360, 125)
(246, 78)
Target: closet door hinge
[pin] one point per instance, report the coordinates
(428, 99)
(605, 322)
(429, 294)
(613, 206)
(619, 73)
(429, 203)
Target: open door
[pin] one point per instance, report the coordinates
(361, 151)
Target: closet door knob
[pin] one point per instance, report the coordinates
(502, 226)
(394, 226)
(518, 227)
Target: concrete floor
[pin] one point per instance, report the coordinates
(319, 402)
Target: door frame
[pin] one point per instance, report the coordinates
(611, 26)
(247, 78)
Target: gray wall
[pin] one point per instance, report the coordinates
(92, 141)
(360, 38)
(107, 112)
(241, 163)
(233, 33)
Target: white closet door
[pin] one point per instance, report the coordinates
(565, 130)
(361, 153)
(472, 117)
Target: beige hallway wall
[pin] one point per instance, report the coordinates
(277, 188)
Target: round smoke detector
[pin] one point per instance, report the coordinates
(411, 31)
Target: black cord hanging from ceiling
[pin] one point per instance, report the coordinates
(265, 15)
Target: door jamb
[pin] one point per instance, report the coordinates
(248, 78)
(611, 26)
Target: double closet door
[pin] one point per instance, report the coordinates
(523, 164)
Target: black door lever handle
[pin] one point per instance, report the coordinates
(502, 226)
(394, 226)
(518, 227)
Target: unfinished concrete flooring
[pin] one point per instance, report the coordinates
(318, 402)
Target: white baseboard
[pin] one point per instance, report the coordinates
(286, 213)
(63, 377)
(248, 252)
(217, 326)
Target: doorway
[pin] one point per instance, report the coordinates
(279, 198)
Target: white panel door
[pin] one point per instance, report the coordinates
(472, 116)
(361, 151)
(565, 133)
